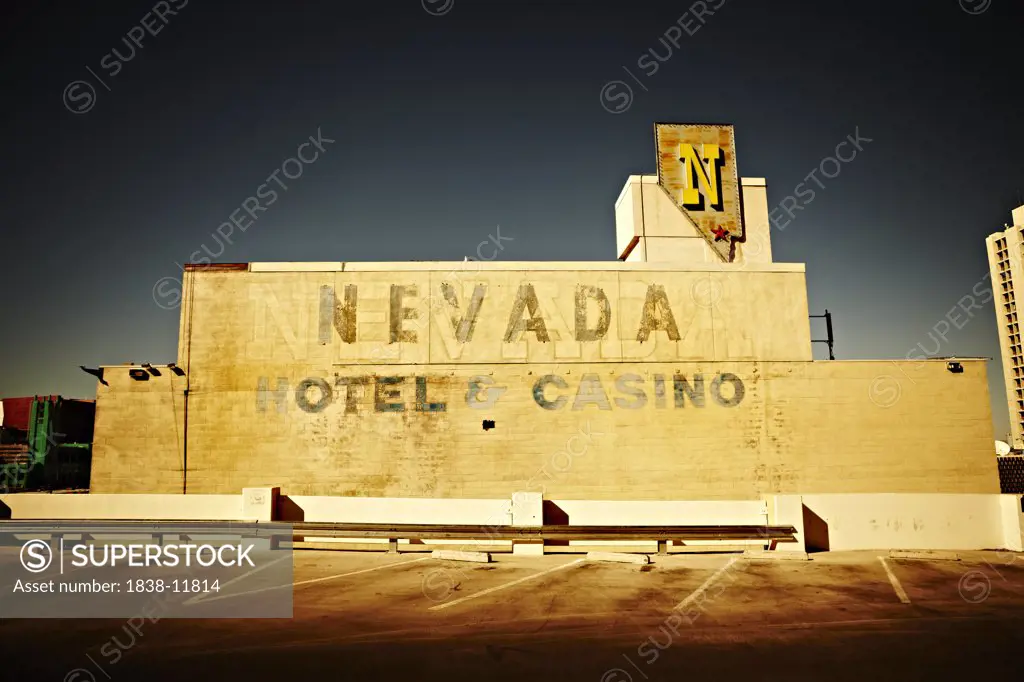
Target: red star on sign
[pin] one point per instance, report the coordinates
(720, 233)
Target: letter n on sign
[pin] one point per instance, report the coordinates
(697, 168)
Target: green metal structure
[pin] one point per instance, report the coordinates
(45, 460)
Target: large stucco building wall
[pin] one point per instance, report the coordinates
(665, 375)
(290, 384)
(139, 433)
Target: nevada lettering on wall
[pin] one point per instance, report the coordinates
(591, 320)
(553, 392)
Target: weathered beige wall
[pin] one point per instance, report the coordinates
(138, 440)
(819, 427)
(278, 398)
(720, 312)
(800, 427)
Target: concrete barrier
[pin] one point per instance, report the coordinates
(788, 510)
(912, 521)
(528, 511)
(115, 506)
(823, 522)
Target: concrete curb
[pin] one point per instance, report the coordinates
(616, 557)
(452, 555)
(919, 554)
(776, 555)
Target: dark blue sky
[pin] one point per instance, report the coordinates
(490, 114)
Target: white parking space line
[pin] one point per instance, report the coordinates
(900, 592)
(706, 584)
(490, 590)
(202, 598)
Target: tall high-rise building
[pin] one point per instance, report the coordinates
(1005, 256)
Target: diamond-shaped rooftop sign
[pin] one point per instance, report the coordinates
(697, 167)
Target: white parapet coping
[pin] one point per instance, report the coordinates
(449, 267)
(322, 266)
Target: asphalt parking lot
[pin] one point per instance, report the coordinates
(382, 616)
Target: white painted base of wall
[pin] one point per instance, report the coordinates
(911, 521)
(823, 522)
(140, 507)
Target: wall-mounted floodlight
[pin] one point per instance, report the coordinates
(139, 374)
(178, 371)
(98, 373)
(955, 367)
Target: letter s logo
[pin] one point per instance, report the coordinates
(36, 556)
